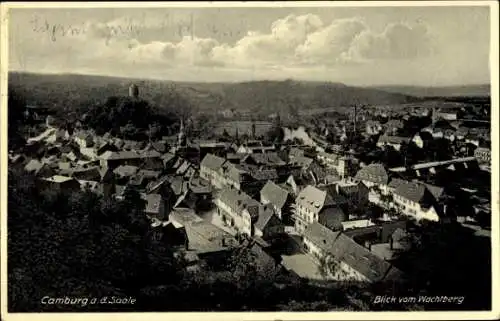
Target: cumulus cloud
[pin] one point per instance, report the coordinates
(295, 40)
(397, 41)
(329, 45)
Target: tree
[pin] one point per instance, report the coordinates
(16, 103)
(329, 266)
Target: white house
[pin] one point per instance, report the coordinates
(210, 167)
(416, 200)
(317, 205)
(353, 261)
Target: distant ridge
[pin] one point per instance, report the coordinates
(264, 97)
(482, 90)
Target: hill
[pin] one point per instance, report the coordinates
(262, 97)
(449, 91)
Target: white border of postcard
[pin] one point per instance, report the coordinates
(464, 315)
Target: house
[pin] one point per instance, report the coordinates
(144, 177)
(39, 168)
(250, 147)
(319, 240)
(199, 195)
(395, 141)
(373, 127)
(125, 172)
(294, 152)
(422, 139)
(292, 185)
(84, 139)
(316, 205)
(374, 174)
(328, 159)
(93, 186)
(354, 224)
(238, 210)
(268, 159)
(155, 206)
(448, 115)
(210, 243)
(235, 158)
(279, 198)
(231, 175)
(416, 200)
(61, 183)
(91, 173)
(168, 160)
(343, 165)
(268, 224)
(393, 126)
(354, 262)
(57, 136)
(114, 159)
(301, 162)
(160, 146)
(210, 168)
(359, 263)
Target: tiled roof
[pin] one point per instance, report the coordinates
(265, 215)
(396, 182)
(232, 171)
(312, 198)
(321, 236)
(238, 200)
(33, 165)
(199, 186)
(155, 184)
(294, 152)
(412, 191)
(375, 173)
(330, 156)
(235, 156)
(276, 195)
(126, 170)
(301, 161)
(109, 155)
(360, 258)
(268, 158)
(436, 191)
(212, 162)
(332, 198)
(264, 175)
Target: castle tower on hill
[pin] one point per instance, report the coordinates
(133, 91)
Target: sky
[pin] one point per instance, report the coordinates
(364, 46)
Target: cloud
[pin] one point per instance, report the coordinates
(330, 44)
(291, 42)
(294, 41)
(397, 41)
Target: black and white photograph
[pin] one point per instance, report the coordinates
(249, 157)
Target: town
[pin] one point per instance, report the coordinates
(335, 202)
